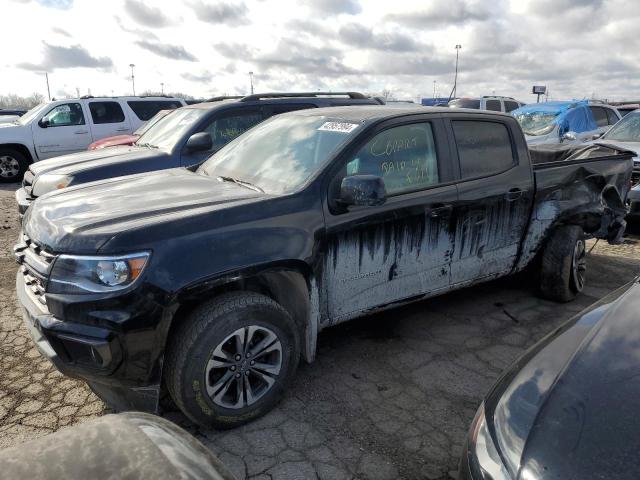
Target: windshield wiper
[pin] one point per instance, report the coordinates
(148, 145)
(241, 183)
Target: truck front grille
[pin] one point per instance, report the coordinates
(35, 265)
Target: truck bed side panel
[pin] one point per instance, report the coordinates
(590, 193)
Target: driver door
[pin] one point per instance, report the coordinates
(377, 255)
(67, 131)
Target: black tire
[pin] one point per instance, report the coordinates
(187, 371)
(563, 264)
(13, 164)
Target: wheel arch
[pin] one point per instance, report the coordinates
(291, 284)
(22, 148)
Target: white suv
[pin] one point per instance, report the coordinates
(494, 104)
(67, 126)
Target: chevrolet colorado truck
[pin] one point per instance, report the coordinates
(210, 285)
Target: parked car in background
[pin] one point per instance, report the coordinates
(564, 121)
(567, 409)
(132, 446)
(183, 139)
(213, 283)
(491, 103)
(129, 139)
(65, 126)
(625, 134)
(627, 108)
(12, 112)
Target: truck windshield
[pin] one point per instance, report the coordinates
(171, 129)
(31, 114)
(279, 155)
(626, 130)
(536, 123)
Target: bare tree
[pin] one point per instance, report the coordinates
(16, 101)
(155, 93)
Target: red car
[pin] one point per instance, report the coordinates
(128, 139)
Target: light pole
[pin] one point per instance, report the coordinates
(455, 78)
(251, 81)
(161, 88)
(434, 89)
(46, 76)
(133, 81)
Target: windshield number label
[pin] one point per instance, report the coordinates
(338, 127)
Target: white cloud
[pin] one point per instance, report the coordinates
(207, 47)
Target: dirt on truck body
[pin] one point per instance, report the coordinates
(210, 285)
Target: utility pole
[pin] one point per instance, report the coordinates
(251, 81)
(133, 81)
(46, 76)
(161, 88)
(78, 91)
(434, 89)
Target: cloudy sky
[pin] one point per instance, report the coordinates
(578, 48)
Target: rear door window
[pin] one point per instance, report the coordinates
(611, 115)
(600, 116)
(484, 148)
(494, 105)
(405, 157)
(145, 109)
(106, 112)
(510, 106)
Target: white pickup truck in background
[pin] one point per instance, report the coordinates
(67, 126)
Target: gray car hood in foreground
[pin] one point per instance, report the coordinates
(571, 410)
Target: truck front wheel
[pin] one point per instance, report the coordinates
(564, 264)
(13, 164)
(232, 359)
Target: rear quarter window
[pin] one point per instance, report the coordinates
(144, 109)
(484, 147)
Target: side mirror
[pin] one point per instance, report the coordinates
(597, 136)
(43, 123)
(199, 142)
(569, 136)
(363, 190)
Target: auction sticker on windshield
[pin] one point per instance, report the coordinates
(338, 127)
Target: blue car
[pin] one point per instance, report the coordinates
(565, 121)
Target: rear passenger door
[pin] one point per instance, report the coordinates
(223, 127)
(381, 254)
(495, 191)
(107, 119)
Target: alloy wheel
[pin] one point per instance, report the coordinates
(9, 166)
(579, 265)
(243, 367)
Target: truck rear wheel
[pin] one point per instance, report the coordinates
(13, 164)
(564, 264)
(232, 359)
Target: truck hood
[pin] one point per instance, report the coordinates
(571, 411)
(76, 162)
(81, 219)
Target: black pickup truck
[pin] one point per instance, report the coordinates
(210, 285)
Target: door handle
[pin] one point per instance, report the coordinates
(513, 194)
(122, 130)
(80, 132)
(439, 211)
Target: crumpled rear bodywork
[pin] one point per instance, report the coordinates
(587, 192)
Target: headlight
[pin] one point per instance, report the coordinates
(87, 274)
(485, 463)
(48, 183)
